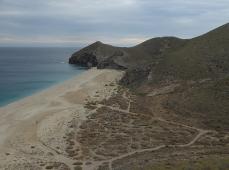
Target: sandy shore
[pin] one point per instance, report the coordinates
(32, 130)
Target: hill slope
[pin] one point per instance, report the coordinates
(107, 56)
(172, 89)
(163, 59)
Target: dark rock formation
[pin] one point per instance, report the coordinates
(86, 60)
(100, 55)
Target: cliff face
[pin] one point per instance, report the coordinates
(100, 55)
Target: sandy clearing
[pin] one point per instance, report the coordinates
(33, 129)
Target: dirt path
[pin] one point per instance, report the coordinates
(125, 96)
(62, 158)
(132, 153)
(42, 120)
(201, 132)
(197, 137)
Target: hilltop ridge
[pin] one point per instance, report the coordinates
(164, 58)
(108, 56)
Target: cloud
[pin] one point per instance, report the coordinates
(124, 22)
(67, 40)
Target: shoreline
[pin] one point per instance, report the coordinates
(41, 91)
(37, 91)
(29, 126)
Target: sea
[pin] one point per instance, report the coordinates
(27, 70)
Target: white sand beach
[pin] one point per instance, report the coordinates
(32, 129)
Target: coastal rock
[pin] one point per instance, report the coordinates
(86, 60)
(99, 55)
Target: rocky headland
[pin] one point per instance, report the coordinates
(162, 104)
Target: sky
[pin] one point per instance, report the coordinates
(77, 23)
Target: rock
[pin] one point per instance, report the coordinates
(86, 60)
(98, 55)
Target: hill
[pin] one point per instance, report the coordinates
(163, 59)
(107, 56)
(175, 89)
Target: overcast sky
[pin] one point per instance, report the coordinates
(119, 22)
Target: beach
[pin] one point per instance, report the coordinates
(33, 130)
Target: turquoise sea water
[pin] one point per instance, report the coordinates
(24, 71)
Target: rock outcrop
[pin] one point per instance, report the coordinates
(99, 55)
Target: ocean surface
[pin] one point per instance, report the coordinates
(24, 71)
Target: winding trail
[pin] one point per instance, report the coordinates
(124, 95)
(201, 132)
(197, 137)
(95, 164)
(132, 153)
(62, 158)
